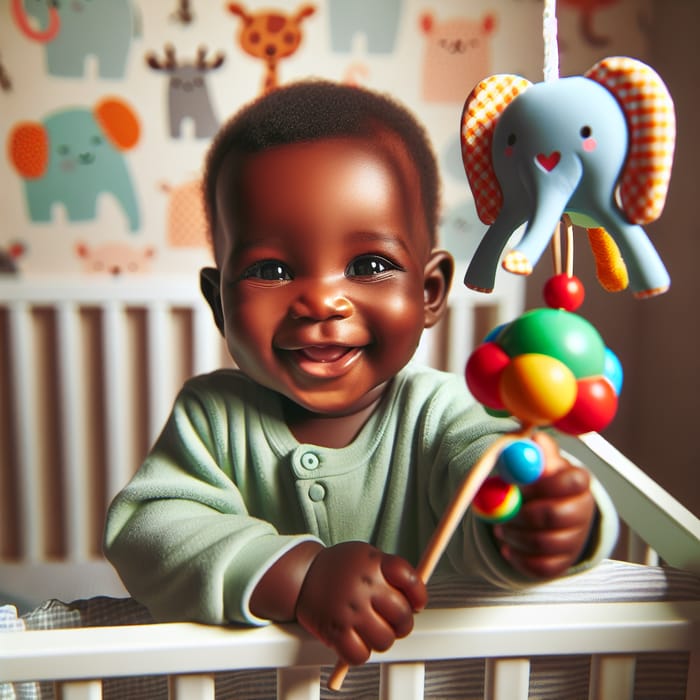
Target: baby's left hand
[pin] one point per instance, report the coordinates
(551, 531)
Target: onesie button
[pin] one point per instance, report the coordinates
(310, 461)
(317, 492)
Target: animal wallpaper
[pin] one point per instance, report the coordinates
(107, 107)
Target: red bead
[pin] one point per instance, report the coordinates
(594, 408)
(483, 373)
(564, 292)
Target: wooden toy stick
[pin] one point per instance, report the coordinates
(556, 247)
(448, 523)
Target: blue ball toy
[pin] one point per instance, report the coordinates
(521, 462)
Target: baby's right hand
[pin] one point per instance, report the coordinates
(357, 599)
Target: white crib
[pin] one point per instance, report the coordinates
(87, 376)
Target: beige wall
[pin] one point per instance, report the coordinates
(657, 339)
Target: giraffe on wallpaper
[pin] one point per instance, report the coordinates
(270, 35)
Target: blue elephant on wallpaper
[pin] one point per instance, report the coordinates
(71, 31)
(75, 155)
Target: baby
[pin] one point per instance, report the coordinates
(305, 484)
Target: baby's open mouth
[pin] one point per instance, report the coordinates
(324, 353)
(325, 361)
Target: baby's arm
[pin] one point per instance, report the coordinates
(551, 532)
(352, 596)
(180, 533)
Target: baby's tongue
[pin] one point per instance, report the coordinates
(324, 353)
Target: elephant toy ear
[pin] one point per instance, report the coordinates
(651, 123)
(480, 115)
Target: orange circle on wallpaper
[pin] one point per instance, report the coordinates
(29, 149)
(119, 122)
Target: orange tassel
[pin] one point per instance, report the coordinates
(610, 267)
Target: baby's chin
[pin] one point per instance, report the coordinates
(333, 404)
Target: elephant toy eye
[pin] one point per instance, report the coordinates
(511, 139)
(586, 132)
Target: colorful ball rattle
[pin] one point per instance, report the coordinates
(547, 367)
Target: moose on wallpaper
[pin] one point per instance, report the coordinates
(75, 155)
(188, 92)
(71, 31)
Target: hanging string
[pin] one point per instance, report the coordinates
(551, 72)
(549, 33)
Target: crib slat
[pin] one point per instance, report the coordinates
(507, 679)
(71, 416)
(299, 683)
(612, 676)
(692, 689)
(199, 687)
(401, 681)
(461, 320)
(25, 410)
(206, 345)
(159, 367)
(116, 432)
(81, 690)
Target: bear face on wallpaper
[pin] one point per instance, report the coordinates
(115, 258)
(71, 31)
(73, 157)
(598, 147)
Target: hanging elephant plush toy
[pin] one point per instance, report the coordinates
(598, 147)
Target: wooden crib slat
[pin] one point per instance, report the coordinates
(159, 366)
(71, 415)
(299, 683)
(81, 690)
(25, 410)
(199, 687)
(205, 341)
(612, 676)
(462, 334)
(692, 690)
(115, 395)
(659, 519)
(401, 681)
(507, 679)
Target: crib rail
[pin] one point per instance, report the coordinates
(505, 636)
(654, 516)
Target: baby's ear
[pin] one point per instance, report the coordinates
(209, 284)
(437, 280)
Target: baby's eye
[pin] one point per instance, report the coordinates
(268, 270)
(369, 266)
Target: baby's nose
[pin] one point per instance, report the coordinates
(321, 304)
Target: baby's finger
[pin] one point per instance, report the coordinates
(396, 611)
(401, 575)
(567, 481)
(543, 542)
(350, 646)
(376, 633)
(537, 566)
(555, 513)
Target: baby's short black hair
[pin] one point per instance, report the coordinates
(318, 109)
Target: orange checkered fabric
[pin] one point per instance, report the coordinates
(651, 122)
(481, 111)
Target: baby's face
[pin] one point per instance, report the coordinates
(322, 271)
